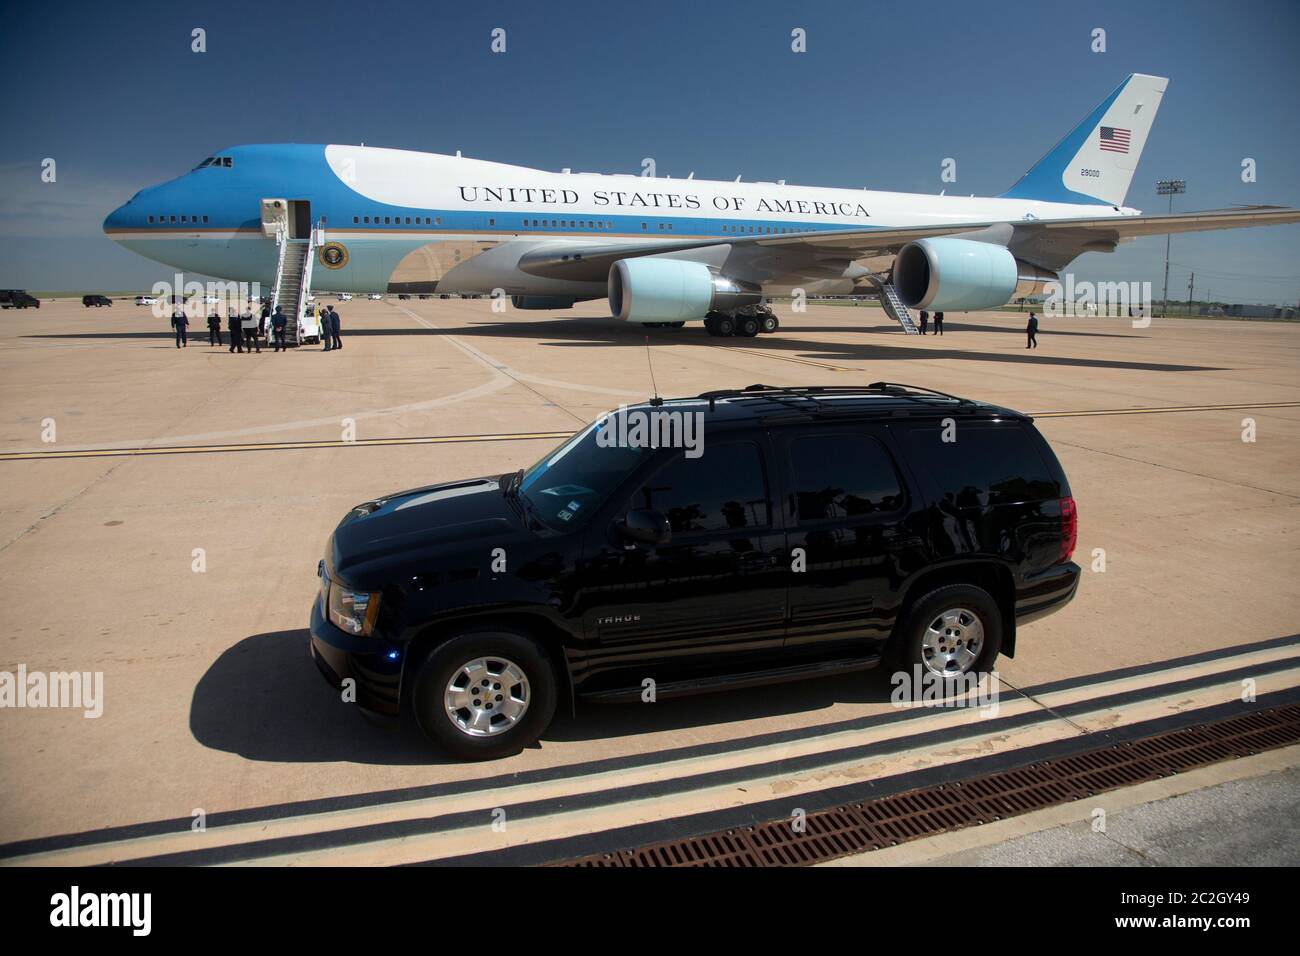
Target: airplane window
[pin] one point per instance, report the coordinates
(205, 219)
(387, 220)
(552, 223)
(408, 220)
(151, 218)
(173, 218)
(492, 222)
(590, 224)
(183, 219)
(643, 225)
(437, 221)
(366, 219)
(534, 223)
(428, 220)
(355, 220)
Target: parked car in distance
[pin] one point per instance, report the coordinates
(813, 530)
(375, 296)
(18, 299)
(345, 296)
(96, 300)
(145, 300)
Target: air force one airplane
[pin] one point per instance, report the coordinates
(664, 251)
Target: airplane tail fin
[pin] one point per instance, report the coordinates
(1095, 161)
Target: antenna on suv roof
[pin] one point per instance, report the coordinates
(656, 400)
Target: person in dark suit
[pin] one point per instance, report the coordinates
(334, 328)
(1032, 330)
(214, 328)
(179, 322)
(938, 323)
(232, 326)
(279, 322)
(925, 320)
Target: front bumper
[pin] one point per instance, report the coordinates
(374, 665)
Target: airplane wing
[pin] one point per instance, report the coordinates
(1049, 243)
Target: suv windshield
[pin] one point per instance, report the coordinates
(572, 481)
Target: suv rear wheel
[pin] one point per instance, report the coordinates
(953, 630)
(485, 694)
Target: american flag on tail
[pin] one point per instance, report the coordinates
(1114, 139)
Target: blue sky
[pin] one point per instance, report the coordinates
(885, 92)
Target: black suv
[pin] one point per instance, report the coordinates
(18, 299)
(812, 530)
(96, 301)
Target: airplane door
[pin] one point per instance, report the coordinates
(275, 217)
(299, 219)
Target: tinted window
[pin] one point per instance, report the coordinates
(985, 465)
(573, 480)
(842, 476)
(722, 489)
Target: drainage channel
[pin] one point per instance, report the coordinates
(874, 824)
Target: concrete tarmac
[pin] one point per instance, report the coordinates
(210, 701)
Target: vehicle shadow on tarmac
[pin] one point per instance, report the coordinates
(264, 699)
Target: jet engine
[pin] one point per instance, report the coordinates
(672, 290)
(958, 275)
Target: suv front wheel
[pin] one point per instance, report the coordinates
(485, 694)
(951, 631)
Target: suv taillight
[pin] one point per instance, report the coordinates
(1069, 529)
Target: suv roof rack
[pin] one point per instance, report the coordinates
(811, 391)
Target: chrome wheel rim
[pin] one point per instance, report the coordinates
(952, 642)
(487, 696)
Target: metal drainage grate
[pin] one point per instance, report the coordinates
(887, 821)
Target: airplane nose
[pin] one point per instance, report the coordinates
(115, 219)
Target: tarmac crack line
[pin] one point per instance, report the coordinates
(1181, 471)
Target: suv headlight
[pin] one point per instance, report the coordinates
(353, 611)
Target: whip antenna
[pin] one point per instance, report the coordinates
(653, 385)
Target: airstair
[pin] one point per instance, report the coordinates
(893, 305)
(293, 285)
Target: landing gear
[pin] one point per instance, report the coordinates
(720, 324)
(745, 323)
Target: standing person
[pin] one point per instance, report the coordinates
(1032, 330)
(249, 327)
(938, 323)
(925, 318)
(232, 326)
(214, 327)
(334, 328)
(179, 322)
(326, 330)
(279, 322)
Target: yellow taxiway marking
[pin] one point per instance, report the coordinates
(279, 446)
(520, 436)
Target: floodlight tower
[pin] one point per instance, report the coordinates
(1170, 188)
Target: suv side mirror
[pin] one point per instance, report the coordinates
(646, 526)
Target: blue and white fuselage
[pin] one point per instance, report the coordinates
(418, 221)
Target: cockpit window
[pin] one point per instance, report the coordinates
(225, 161)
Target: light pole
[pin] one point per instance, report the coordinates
(1170, 188)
